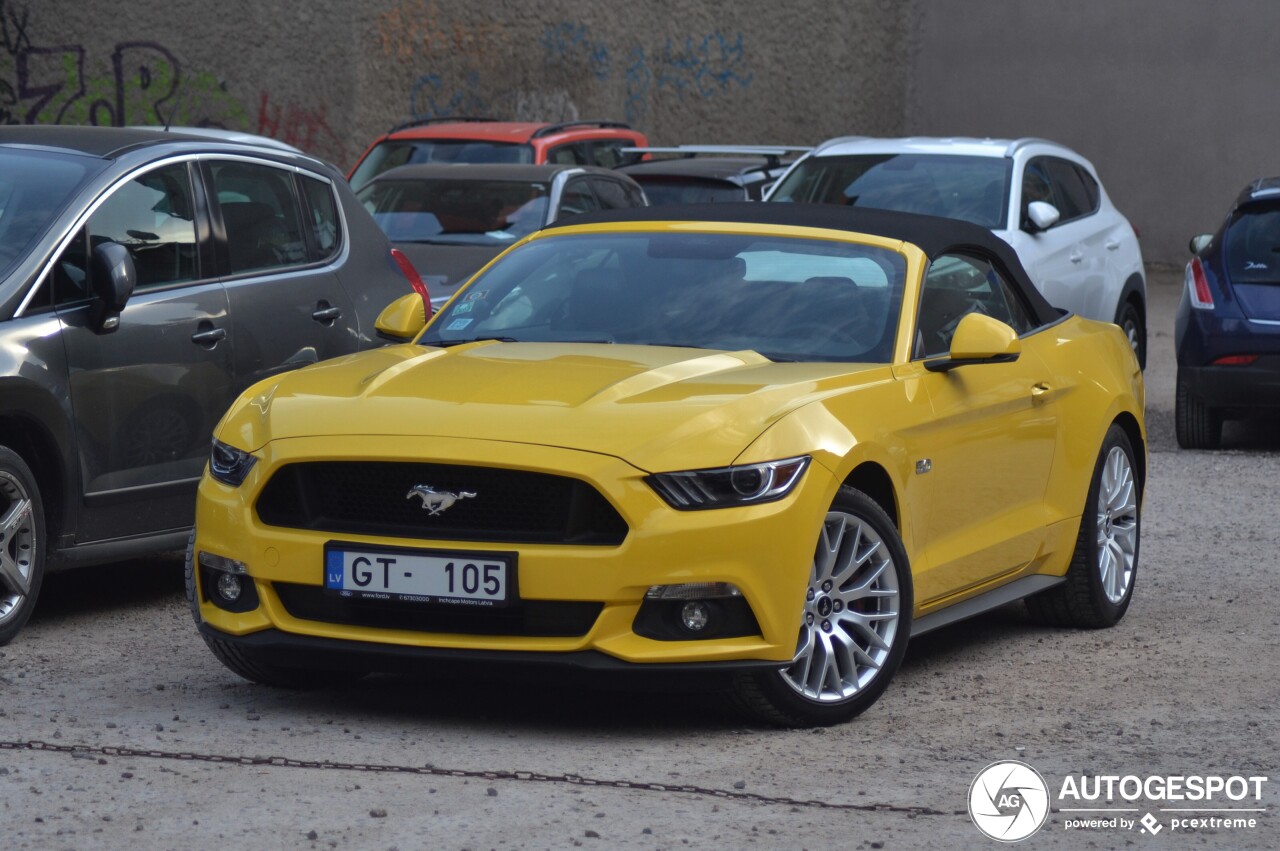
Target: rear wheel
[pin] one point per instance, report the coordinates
(1199, 426)
(247, 663)
(855, 624)
(22, 540)
(1099, 581)
(1134, 325)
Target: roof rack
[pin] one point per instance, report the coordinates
(565, 125)
(772, 154)
(441, 119)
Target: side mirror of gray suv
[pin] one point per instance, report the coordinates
(112, 277)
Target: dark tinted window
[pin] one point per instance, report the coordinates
(154, 217)
(1037, 184)
(389, 154)
(608, 153)
(577, 198)
(322, 217)
(1069, 189)
(260, 215)
(612, 196)
(1091, 191)
(956, 286)
(33, 188)
(1253, 245)
(634, 194)
(973, 189)
(575, 154)
(469, 211)
(690, 190)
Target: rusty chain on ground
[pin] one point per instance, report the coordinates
(434, 771)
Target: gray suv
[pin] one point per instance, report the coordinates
(146, 278)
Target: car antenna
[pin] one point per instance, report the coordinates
(173, 113)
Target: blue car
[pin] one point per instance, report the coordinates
(1228, 324)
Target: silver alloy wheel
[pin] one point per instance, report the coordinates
(1117, 525)
(1131, 331)
(850, 612)
(17, 543)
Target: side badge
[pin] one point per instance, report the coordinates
(924, 465)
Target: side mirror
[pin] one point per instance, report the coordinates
(112, 277)
(1200, 242)
(979, 339)
(1041, 215)
(403, 319)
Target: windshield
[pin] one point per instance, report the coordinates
(788, 299)
(456, 212)
(34, 187)
(972, 189)
(388, 155)
(1253, 244)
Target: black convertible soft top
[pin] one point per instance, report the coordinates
(933, 235)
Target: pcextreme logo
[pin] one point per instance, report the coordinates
(1009, 801)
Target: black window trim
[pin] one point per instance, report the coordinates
(219, 237)
(203, 233)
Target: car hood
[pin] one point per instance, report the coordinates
(659, 408)
(446, 267)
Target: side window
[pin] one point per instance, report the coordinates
(259, 215)
(1037, 185)
(635, 195)
(577, 198)
(574, 154)
(1069, 189)
(608, 153)
(1091, 192)
(956, 286)
(153, 216)
(611, 195)
(322, 217)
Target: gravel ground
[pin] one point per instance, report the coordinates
(1186, 684)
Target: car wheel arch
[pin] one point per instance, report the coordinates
(874, 480)
(33, 438)
(1133, 431)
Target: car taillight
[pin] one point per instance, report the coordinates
(1198, 286)
(415, 280)
(1236, 360)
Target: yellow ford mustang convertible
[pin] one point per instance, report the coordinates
(771, 441)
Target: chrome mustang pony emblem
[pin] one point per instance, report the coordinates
(437, 502)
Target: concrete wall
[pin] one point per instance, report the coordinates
(1172, 100)
(328, 75)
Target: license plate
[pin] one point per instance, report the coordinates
(420, 576)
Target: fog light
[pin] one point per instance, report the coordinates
(695, 615)
(228, 585)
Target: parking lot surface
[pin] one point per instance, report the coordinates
(118, 728)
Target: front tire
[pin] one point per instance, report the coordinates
(1099, 581)
(1199, 426)
(855, 624)
(22, 542)
(244, 661)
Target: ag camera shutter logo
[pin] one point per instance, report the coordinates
(1008, 801)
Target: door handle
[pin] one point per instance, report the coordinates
(1040, 392)
(1112, 244)
(326, 314)
(208, 336)
(1076, 257)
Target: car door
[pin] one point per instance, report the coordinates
(145, 396)
(1079, 200)
(1054, 258)
(988, 441)
(287, 305)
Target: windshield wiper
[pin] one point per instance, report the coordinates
(444, 344)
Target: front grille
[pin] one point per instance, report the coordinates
(533, 618)
(370, 498)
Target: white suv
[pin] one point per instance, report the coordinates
(1040, 197)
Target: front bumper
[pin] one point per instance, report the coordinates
(764, 550)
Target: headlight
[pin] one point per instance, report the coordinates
(747, 484)
(228, 464)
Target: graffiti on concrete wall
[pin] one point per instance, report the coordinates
(459, 62)
(136, 83)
